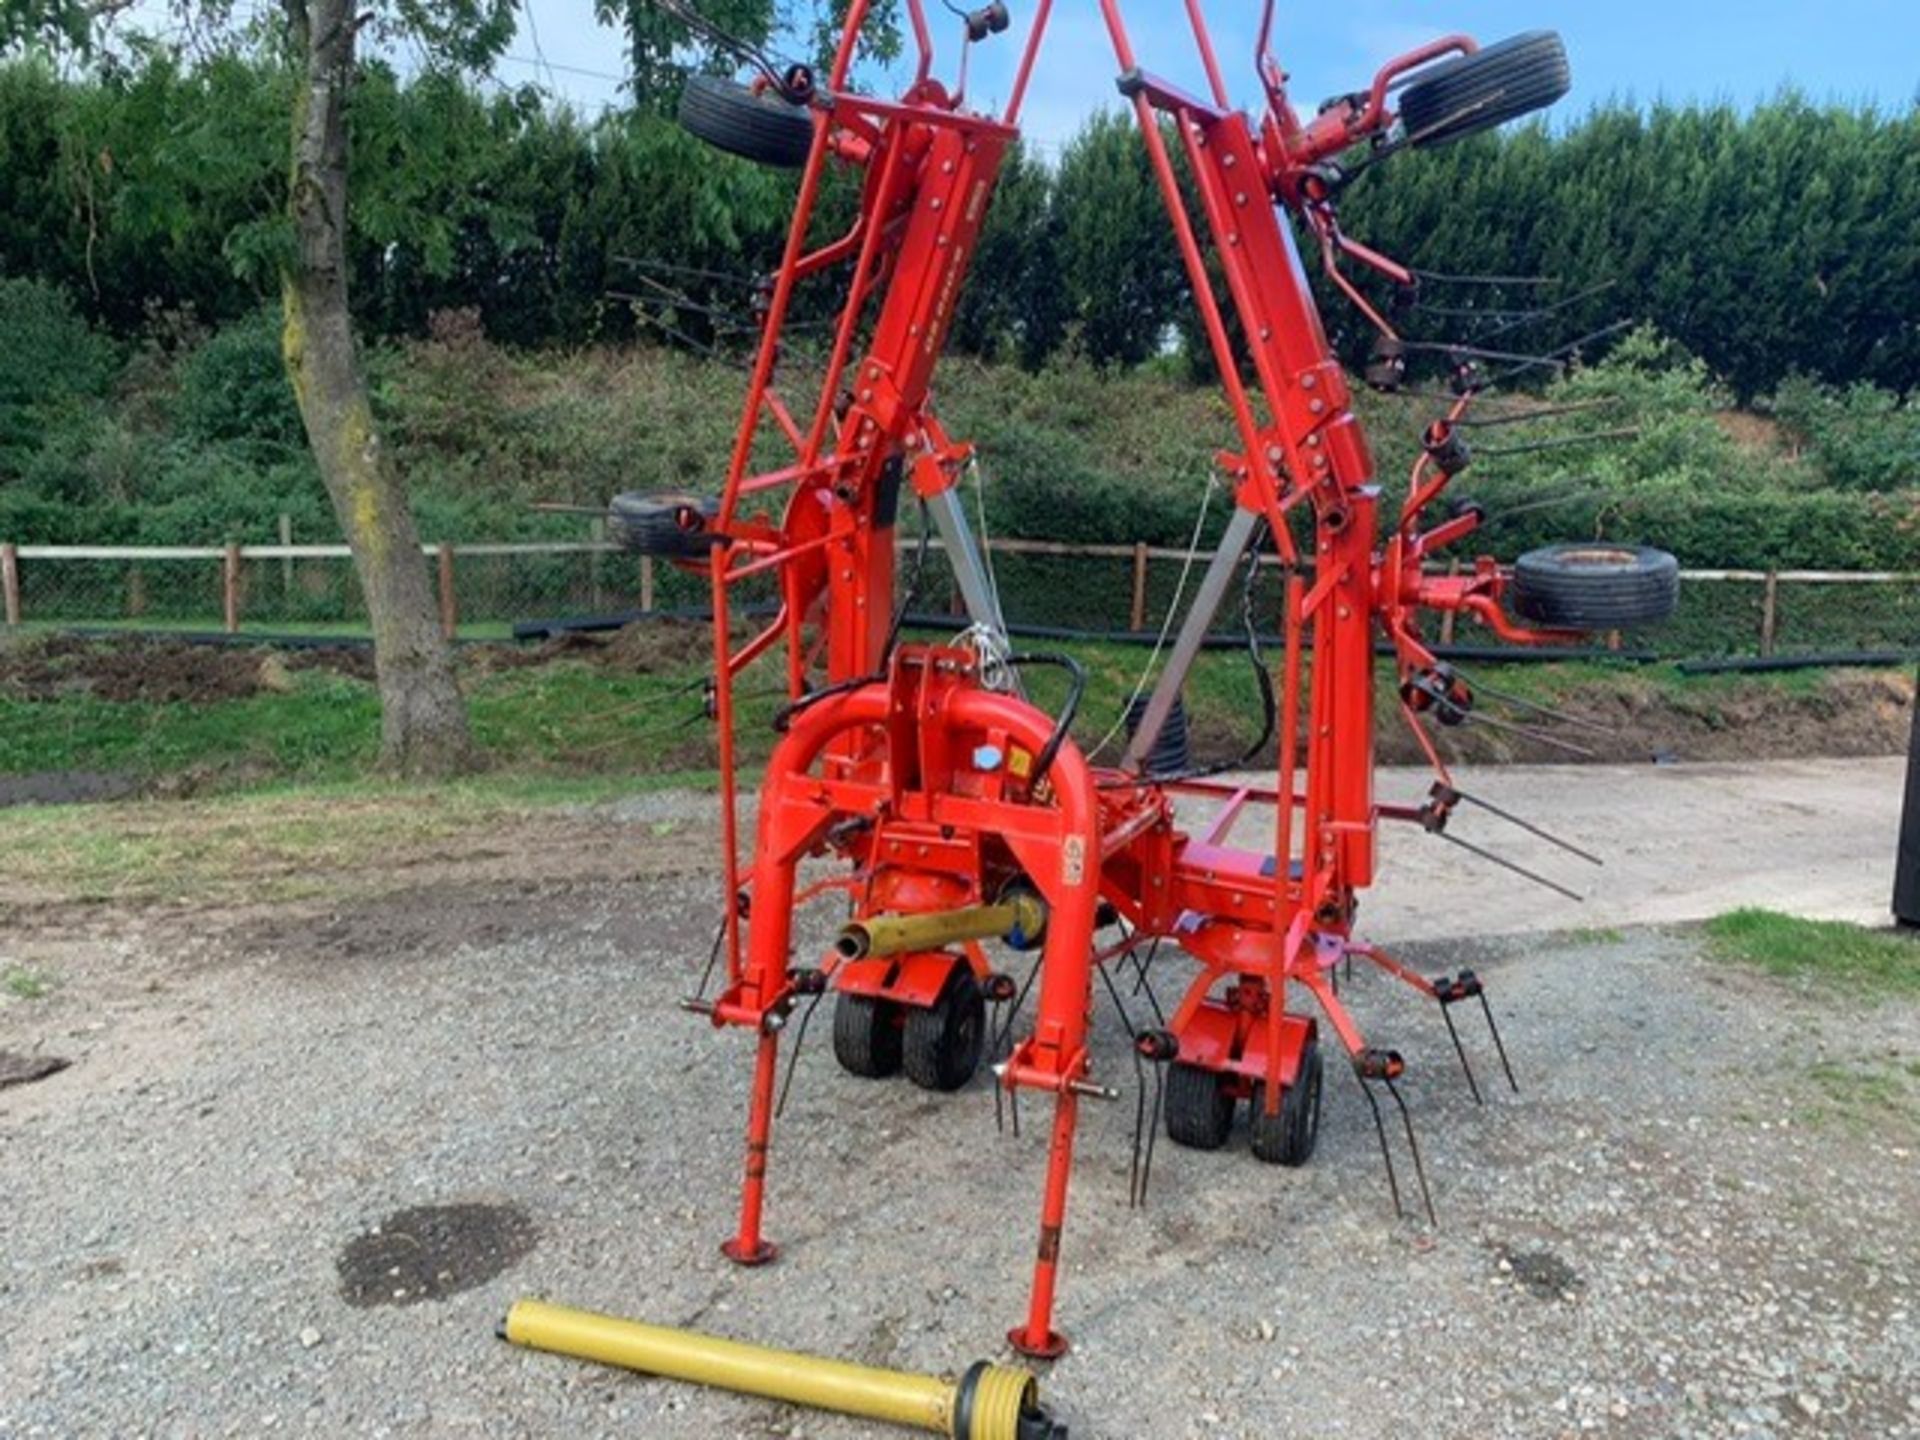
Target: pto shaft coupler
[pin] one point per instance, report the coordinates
(989, 1402)
(1019, 919)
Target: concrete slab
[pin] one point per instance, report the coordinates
(1680, 842)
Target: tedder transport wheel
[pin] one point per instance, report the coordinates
(1287, 1138)
(1487, 88)
(1199, 1108)
(943, 1042)
(1591, 586)
(729, 116)
(866, 1036)
(673, 526)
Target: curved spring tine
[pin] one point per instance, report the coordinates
(1494, 1029)
(1386, 1155)
(1446, 1014)
(1413, 1146)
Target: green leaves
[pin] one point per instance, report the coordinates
(1122, 274)
(54, 370)
(1770, 240)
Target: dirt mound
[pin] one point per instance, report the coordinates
(147, 670)
(1633, 717)
(653, 645)
(353, 661)
(645, 647)
(150, 672)
(1719, 717)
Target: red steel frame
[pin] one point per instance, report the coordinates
(885, 771)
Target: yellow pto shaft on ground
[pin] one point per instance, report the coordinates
(989, 1402)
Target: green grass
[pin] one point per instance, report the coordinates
(25, 984)
(1863, 1094)
(580, 718)
(325, 726)
(568, 716)
(1862, 962)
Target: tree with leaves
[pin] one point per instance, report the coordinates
(424, 728)
(1122, 277)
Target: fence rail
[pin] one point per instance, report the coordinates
(1091, 586)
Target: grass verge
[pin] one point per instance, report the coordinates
(1870, 963)
(578, 716)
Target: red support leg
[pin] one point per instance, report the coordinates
(749, 1247)
(1037, 1337)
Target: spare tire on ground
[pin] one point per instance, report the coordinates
(671, 526)
(1592, 585)
(1476, 92)
(756, 126)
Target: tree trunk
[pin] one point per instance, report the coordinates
(423, 717)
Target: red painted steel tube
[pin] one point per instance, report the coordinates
(1037, 1337)
(1288, 747)
(1195, 262)
(1208, 59)
(749, 1247)
(1041, 15)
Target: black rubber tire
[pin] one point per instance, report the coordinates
(1592, 585)
(866, 1036)
(650, 524)
(1288, 1137)
(729, 116)
(945, 1041)
(1199, 1107)
(1476, 92)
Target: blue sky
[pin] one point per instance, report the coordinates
(1741, 50)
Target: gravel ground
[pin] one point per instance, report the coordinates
(1696, 1219)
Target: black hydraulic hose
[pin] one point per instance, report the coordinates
(1077, 674)
(1816, 660)
(784, 716)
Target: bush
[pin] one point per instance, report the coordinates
(54, 369)
(234, 389)
(1860, 438)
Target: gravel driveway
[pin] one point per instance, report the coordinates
(1696, 1219)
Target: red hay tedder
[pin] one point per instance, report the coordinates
(960, 811)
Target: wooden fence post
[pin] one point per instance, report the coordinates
(286, 563)
(230, 589)
(449, 599)
(1139, 613)
(10, 581)
(1769, 611)
(646, 583)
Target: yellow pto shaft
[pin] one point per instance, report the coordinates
(990, 1402)
(1022, 915)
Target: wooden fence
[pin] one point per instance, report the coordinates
(231, 560)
